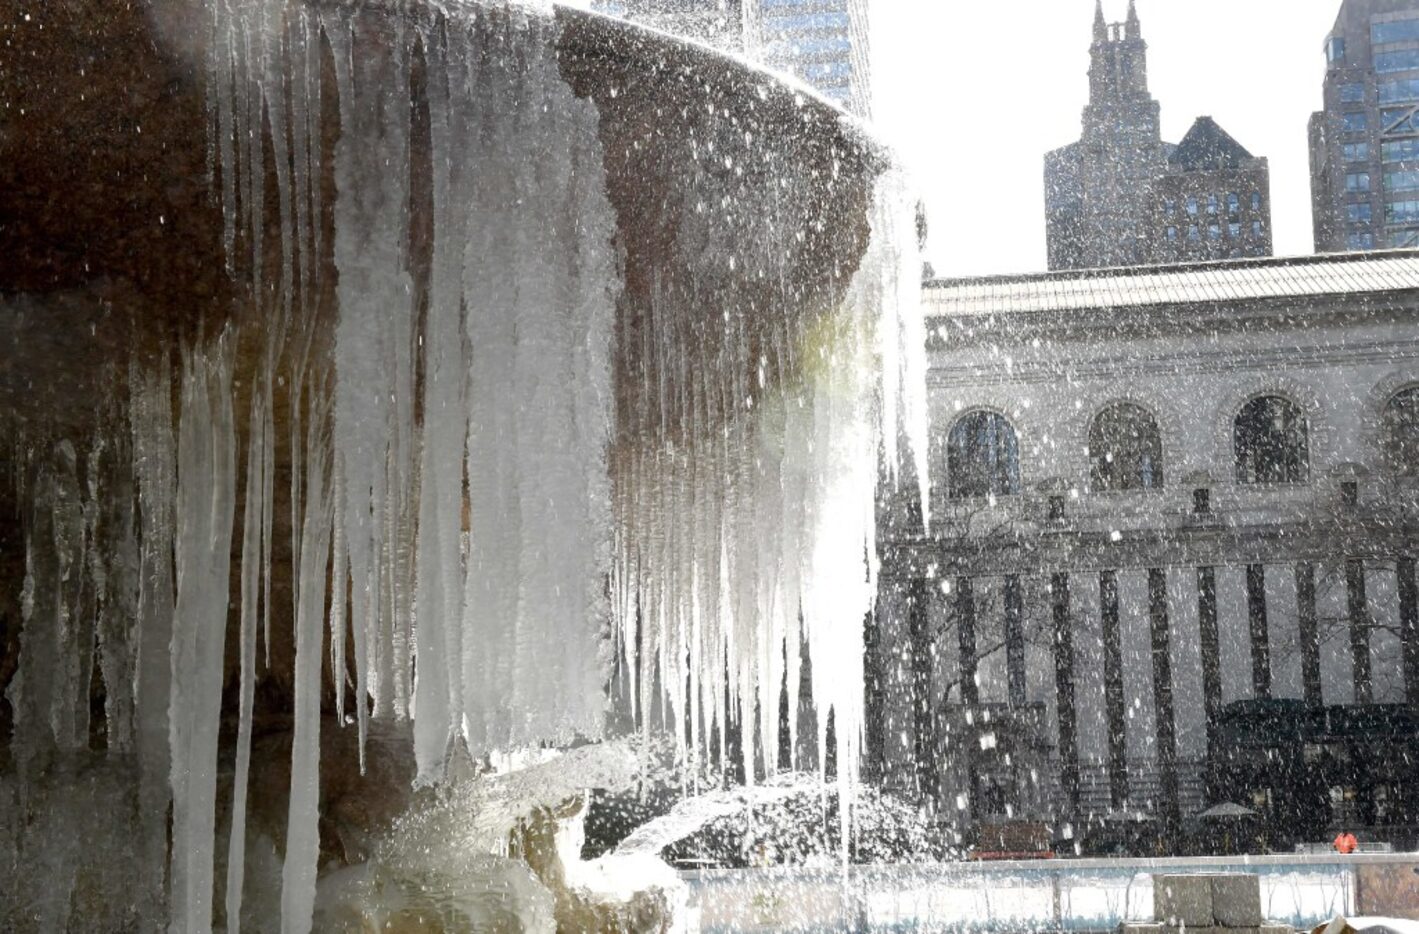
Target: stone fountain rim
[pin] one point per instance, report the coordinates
(860, 128)
(876, 153)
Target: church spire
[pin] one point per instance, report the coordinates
(1132, 29)
(1101, 29)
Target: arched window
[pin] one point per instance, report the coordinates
(1401, 432)
(1125, 449)
(1234, 203)
(983, 456)
(1270, 440)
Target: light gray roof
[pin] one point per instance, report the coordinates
(1182, 284)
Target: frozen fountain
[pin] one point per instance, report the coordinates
(392, 389)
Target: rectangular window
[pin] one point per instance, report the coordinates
(828, 70)
(1358, 213)
(1403, 150)
(1214, 232)
(1192, 233)
(1172, 233)
(806, 21)
(1353, 122)
(1402, 181)
(1356, 152)
(1256, 228)
(1402, 212)
(821, 46)
(1403, 60)
(1202, 501)
(1400, 30)
(1404, 238)
(1360, 240)
(1357, 181)
(1352, 93)
(1406, 89)
(1335, 50)
(1399, 120)
(1234, 229)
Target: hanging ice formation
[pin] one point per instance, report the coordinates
(514, 478)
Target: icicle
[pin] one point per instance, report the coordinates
(221, 58)
(69, 695)
(274, 90)
(339, 584)
(252, 557)
(205, 503)
(117, 623)
(302, 832)
(374, 372)
(155, 466)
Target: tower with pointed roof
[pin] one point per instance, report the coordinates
(1107, 195)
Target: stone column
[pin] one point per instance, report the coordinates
(1310, 632)
(1211, 651)
(1064, 689)
(1171, 806)
(1409, 628)
(1359, 614)
(924, 751)
(965, 612)
(1114, 706)
(1015, 640)
(966, 640)
(1260, 638)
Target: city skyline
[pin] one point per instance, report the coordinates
(974, 125)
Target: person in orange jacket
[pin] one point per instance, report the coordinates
(1345, 842)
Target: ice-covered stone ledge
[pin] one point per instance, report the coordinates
(1206, 903)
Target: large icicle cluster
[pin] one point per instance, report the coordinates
(464, 469)
(746, 527)
(508, 460)
(503, 472)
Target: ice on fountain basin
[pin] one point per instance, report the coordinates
(474, 472)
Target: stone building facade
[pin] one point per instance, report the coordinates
(1120, 196)
(1364, 142)
(1155, 492)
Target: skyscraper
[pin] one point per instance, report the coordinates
(1120, 196)
(1364, 143)
(719, 23)
(821, 42)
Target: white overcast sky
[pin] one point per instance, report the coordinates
(974, 92)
